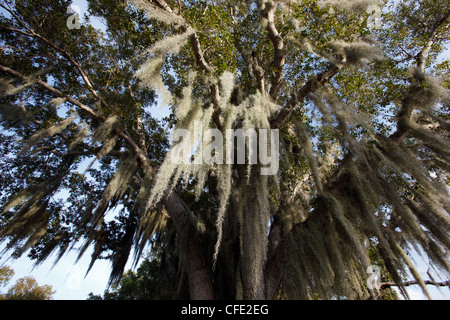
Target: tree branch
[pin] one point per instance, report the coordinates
(53, 90)
(146, 166)
(214, 89)
(90, 151)
(279, 52)
(200, 58)
(195, 42)
(63, 52)
(404, 116)
(422, 57)
(163, 5)
(11, 11)
(301, 94)
(387, 285)
(258, 72)
(179, 7)
(17, 31)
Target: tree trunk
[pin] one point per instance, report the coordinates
(199, 276)
(254, 237)
(198, 272)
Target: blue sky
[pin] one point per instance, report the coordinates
(68, 279)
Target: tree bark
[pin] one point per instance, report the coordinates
(253, 238)
(279, 52)
(199, 276)
(198, 271)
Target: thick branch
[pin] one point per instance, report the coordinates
(301, 94)
(214, 89)
(163, 5)
(387, 285)
(405, 114)
(218, 119)
(422, 57)
(279, 52)
(195, 42)
(199, 57)
(200, 279)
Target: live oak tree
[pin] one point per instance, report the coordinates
(355, 89)
(151, 281)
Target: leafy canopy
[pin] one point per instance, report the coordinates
(362, 110)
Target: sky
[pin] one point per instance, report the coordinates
(69, 280)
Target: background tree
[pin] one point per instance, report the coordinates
(362, 115)
(153, 280)
(25, 288)
(6, 273)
